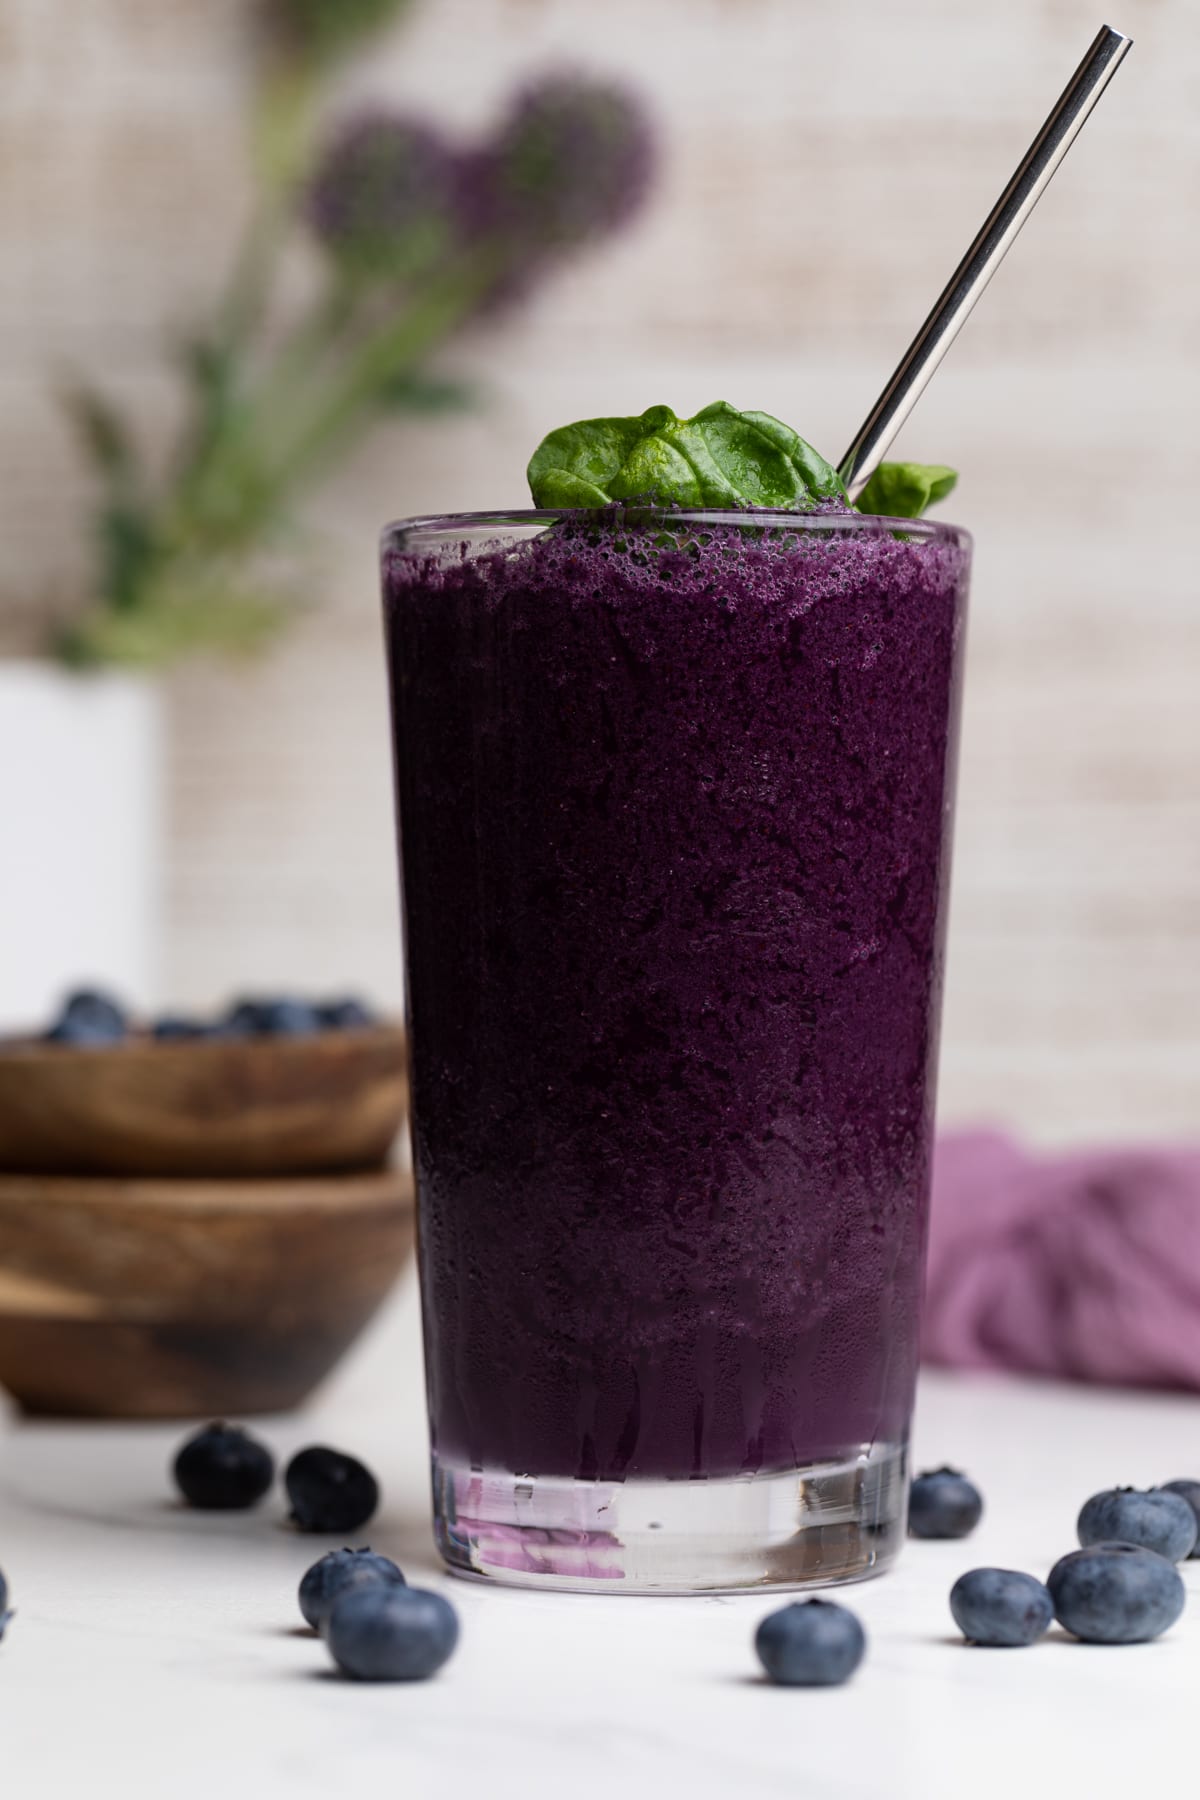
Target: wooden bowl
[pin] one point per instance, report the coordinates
(205, 1106)
(175, 1299)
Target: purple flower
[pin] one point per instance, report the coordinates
(572, 162)
(385, 199)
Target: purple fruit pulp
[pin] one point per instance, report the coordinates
(675, 844)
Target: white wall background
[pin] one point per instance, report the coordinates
(825, 167)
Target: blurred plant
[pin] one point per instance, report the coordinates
(569, 164)
(418, 238)
(318, 30)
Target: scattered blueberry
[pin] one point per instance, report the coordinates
(346, 1015)
(172, 1029)
(811, 1643)
(1001, 1608)
(272, 1018)
(1156, 1520)
(391, 1633)
(5, 1615)
(1190, 1491)
(338, 1573)
(330, 1491)
(1115, 1594)
(942, 1503)
(88, 1017)
(223, 1469)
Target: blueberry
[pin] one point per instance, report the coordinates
(1190, 1490)
(223, 1469)
(241, 1020)
(391, 1633)
(330, 1491)
(172, 1028)
(336, 1574)
(1115, 1594)
(272, 1018)
(942, 1503)
(811, 1643)
(1001, 1608)
(346, 1015)
(88, 1017)
(1155, 1521)
(290, 1018)
(5, 1615)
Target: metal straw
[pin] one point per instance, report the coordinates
(983, 258)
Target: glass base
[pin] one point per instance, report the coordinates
(809, 1527)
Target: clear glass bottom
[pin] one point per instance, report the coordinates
(809, 1527)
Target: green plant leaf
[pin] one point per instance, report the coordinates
(210, 369)
(129, 551)
(173, 623)
(719, 458)
(102, 430)
(904, 490)
(412, 391)
(326, 28)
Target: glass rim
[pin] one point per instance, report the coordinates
(442, 525)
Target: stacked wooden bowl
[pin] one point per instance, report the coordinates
(197, 1227)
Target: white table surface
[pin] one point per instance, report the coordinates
(156, 1652)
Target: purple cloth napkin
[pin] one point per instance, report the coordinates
(1084, 1264)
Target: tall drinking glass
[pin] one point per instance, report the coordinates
(675, 795)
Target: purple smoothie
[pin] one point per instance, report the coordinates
(675, 845)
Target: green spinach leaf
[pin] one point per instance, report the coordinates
(904, 490)
(720, 458)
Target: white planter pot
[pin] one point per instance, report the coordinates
(81, 838)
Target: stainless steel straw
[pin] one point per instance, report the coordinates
(983, 258)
